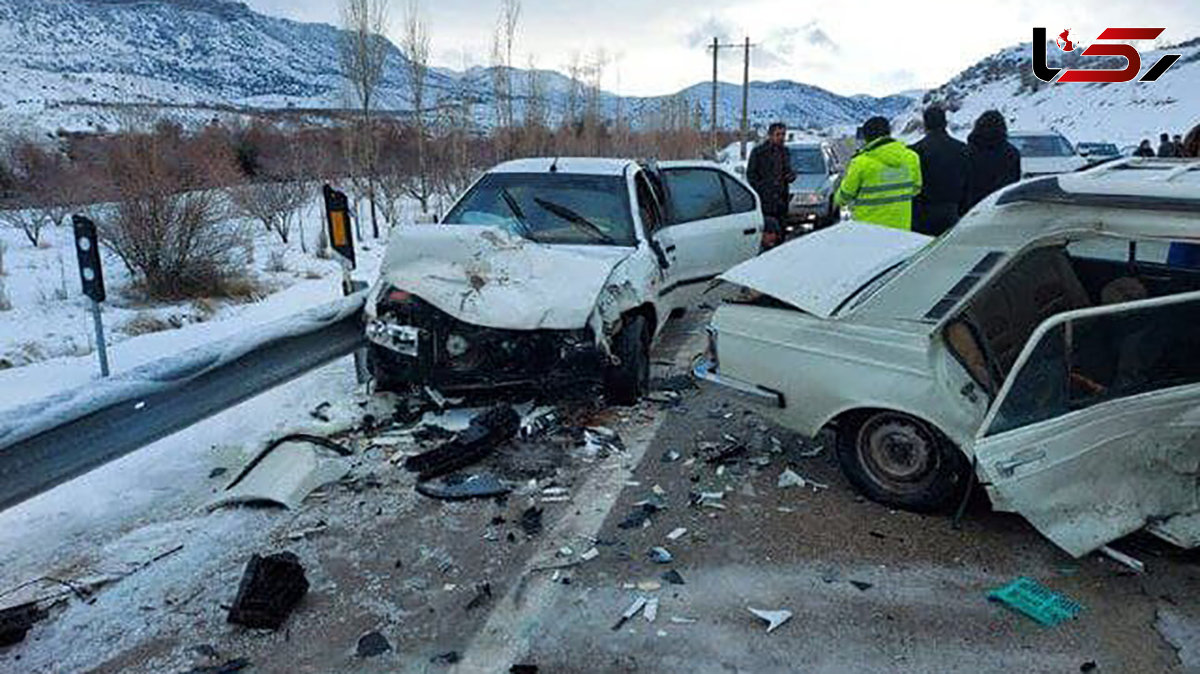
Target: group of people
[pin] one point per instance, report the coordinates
(925, 187)
(1169, 146)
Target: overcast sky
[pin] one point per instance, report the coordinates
(847, 46)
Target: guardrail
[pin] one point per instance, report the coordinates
(48, 442)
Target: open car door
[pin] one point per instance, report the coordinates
(1095, 433)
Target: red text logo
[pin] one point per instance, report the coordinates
(1133, 58)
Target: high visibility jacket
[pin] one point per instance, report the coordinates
(880, 184)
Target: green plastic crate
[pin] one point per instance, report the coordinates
(1030, 598)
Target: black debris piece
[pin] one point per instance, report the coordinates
(523, 669)
(498, 520)
(432, 433)
(483, 595)
(677, 383)
(447, 658)
(531, 521)
(217, 472)
(732, 450)
(16, 621)
(1087, 666)
(271, 587)
(321, 412)
(638, 516)
(490, 428)
(862, 586)
(229, 667)
(673, 577)
(372, 644)
(463, 487)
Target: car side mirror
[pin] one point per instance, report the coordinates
(657, 248)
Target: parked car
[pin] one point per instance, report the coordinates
(1098, 153)
(1042, 346)
(817, 179)
(555, 270)
(1045, 153)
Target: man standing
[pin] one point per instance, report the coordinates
(1165, 147)
(943, 197)
(769, 172)
(1177, 140)
(882, 179)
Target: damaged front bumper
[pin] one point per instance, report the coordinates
(705, 369)
(419, 344)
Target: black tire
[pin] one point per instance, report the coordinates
(625, 382)
(902, 462)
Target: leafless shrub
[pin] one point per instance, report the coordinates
(5, 301)
(145, 323)
(277, 260)
(31, 222)
(169, 225)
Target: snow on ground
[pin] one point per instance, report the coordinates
(46, 342)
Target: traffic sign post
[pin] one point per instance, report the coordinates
(341, 239)
(91, 275)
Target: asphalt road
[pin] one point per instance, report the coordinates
(870, 590)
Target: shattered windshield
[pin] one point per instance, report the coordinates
(807, 160)
(1042, 146)
(551, 207)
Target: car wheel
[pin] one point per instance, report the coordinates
(902, 462)
(625, 382)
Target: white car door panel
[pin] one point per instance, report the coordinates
(1096, 431)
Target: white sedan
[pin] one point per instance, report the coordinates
(1042, 346)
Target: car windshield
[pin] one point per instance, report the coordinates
(550, 207)
(807, 160)
(1042, 146)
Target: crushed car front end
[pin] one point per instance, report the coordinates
(414, 343)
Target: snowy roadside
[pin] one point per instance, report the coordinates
(46, 338)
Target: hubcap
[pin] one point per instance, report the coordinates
(897, 452)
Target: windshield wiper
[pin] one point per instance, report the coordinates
(526, 230)
(575, 219)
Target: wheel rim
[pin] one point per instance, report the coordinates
(897, 452)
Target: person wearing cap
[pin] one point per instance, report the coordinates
(882, 179)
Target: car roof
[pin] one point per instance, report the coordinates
(1134, 198)
(577, 165)
(1034, 132)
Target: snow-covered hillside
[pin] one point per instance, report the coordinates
(83, 64)
(1122, 113)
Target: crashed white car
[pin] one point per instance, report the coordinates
(549, 271)
(1043, 343)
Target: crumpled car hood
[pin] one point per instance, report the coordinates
(489, 277)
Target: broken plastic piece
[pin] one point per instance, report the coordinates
(651, 610)
(286, 471)
(648, 585)
(461, 488)
(673, 577)
(790, 478)
(372, 644)
(1032, 599)
(531, 521)
(660, 555)
(861, 585)
(271, 587)
(773, 618)
(483, 595)
(680, 620)
(600, 437)
(485, 431)
(670, 456)
(637, 605)
(676, 534)
(638, 516)
(590, 555)
(665, 397)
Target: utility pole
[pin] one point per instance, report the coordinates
(716, 47)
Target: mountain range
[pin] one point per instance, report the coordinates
(84, 65)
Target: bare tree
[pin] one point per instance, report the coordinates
(364, 53)
(503, 40)
(574, 92)
(275, 204)
(415, 44)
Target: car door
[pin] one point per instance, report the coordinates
(710, 237)
(1096, 431)
(659, 237)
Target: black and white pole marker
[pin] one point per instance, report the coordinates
(91, 274)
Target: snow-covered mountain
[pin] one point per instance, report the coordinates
(1123, 113)
(83, 64)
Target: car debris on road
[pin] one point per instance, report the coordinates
(270, 589)
(773, 618)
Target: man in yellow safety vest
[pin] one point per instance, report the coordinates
(882, 179)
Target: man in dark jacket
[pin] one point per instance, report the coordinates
(1145, 149)
(943, 197)
(769, 172)
(1177, 141)
(992, 162)
(1165, 147)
